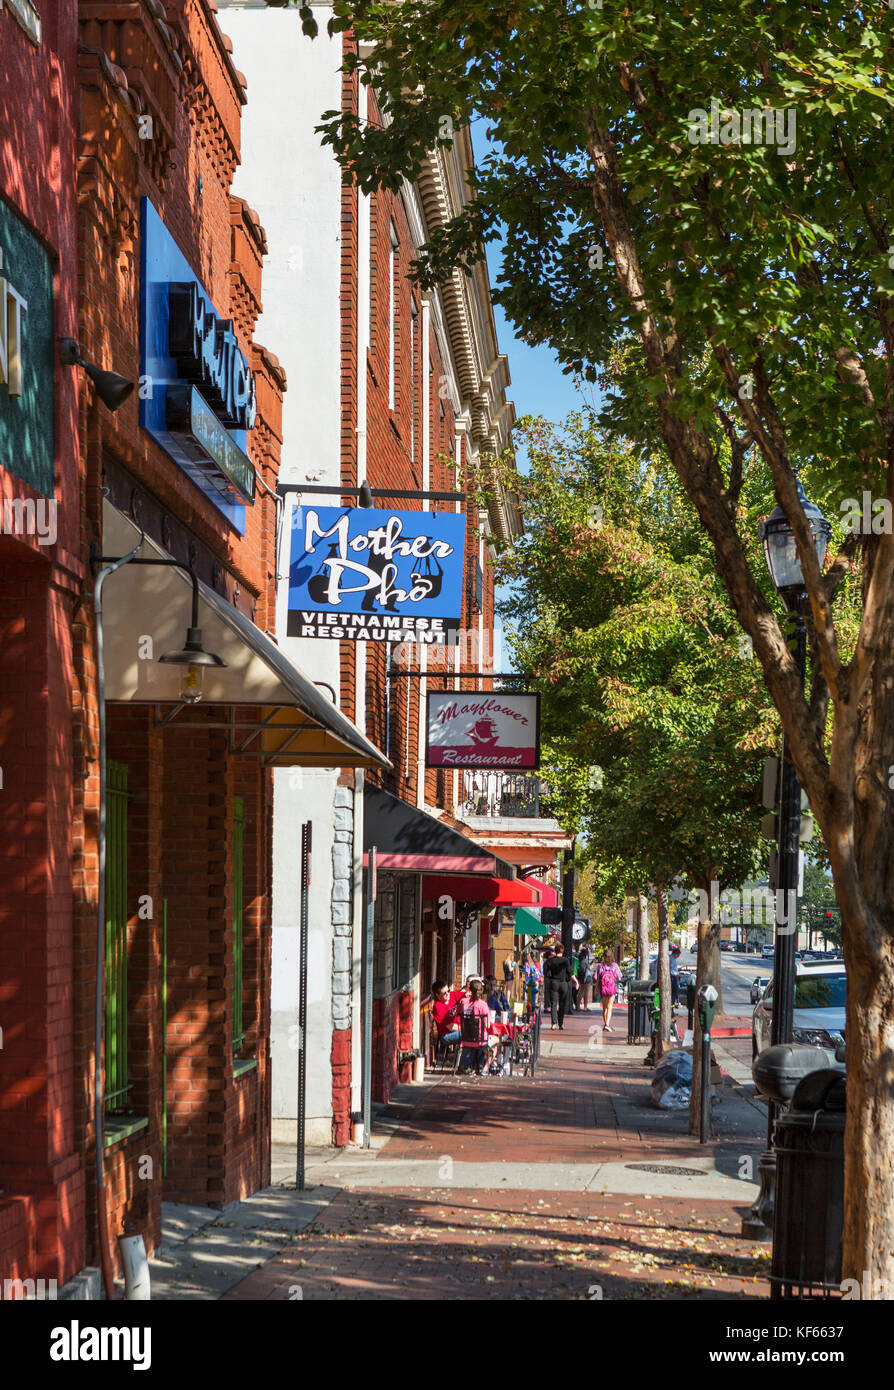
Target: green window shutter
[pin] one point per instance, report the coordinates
(238, 936)
(117, 1085)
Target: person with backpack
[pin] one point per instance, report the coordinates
(585, 979)
(607, 977)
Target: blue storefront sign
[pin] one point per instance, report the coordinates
(359, 573)
(197, 392)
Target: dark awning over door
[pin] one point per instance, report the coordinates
(406, 838)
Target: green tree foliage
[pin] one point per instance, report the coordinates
(751, 270)
(654, 716)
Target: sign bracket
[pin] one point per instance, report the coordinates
(336, 490)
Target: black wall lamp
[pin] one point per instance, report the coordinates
(112, 389)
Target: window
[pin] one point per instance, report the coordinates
(403, 933)
(238, 936)
(820, 991)
(117, 1085)
(395, 937)
(392, 316)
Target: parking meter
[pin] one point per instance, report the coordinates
(707, 1007)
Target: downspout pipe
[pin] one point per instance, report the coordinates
(99, 1097)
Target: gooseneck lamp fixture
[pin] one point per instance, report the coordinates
(112, 389)
(193, 658)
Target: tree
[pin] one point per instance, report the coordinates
(819, 911)
(704, 179)
(653, 718)
(608, 926)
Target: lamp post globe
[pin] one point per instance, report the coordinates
(781, 551)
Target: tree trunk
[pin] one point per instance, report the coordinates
(664, 976)
(641, 918)
(713, 962)
(869, 1136)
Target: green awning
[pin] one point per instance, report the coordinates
(528, 923)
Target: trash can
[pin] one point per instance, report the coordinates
(639, 1010)
(779, 1070)
(808, 1220)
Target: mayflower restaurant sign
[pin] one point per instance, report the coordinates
(483, 729)
(368, 574)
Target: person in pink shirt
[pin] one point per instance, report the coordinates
(474, 1024)
(607, 977)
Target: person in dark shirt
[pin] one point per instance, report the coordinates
(557, 979)
(496, 998)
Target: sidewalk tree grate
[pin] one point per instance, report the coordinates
(667, 1168)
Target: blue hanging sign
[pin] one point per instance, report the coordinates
(197, 392)
(363, 573)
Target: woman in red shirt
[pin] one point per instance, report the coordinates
(445, 1010)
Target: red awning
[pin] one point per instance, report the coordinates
(548, 896)
(502, 892)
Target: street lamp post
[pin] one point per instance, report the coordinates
(783, 562)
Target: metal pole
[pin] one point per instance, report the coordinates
(306, 842)
(758, 1224)
(787, 895)
(568, 915)
(99, 1098)
(705, 1120)
(368, 944)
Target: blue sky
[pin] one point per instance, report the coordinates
(538, 385)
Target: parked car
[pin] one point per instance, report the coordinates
(758, 985)
(819, 1009)
(768, 952)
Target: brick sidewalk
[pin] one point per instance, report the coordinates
(510, 1245)
(586, 1104)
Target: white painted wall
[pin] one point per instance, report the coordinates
(294, 185)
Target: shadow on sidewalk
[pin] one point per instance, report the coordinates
(503, 1245)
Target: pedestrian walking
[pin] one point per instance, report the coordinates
(675, 976)
(585, 980)
(533, 978)
(607, 977)
(557, 979)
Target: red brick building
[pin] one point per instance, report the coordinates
(178, 477)
(41, 1182)
(421, 402)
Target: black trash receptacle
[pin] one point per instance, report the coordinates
(809, 1212)
(639, 1009)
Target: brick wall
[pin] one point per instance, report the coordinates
(181, 818)
(41, 1182)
